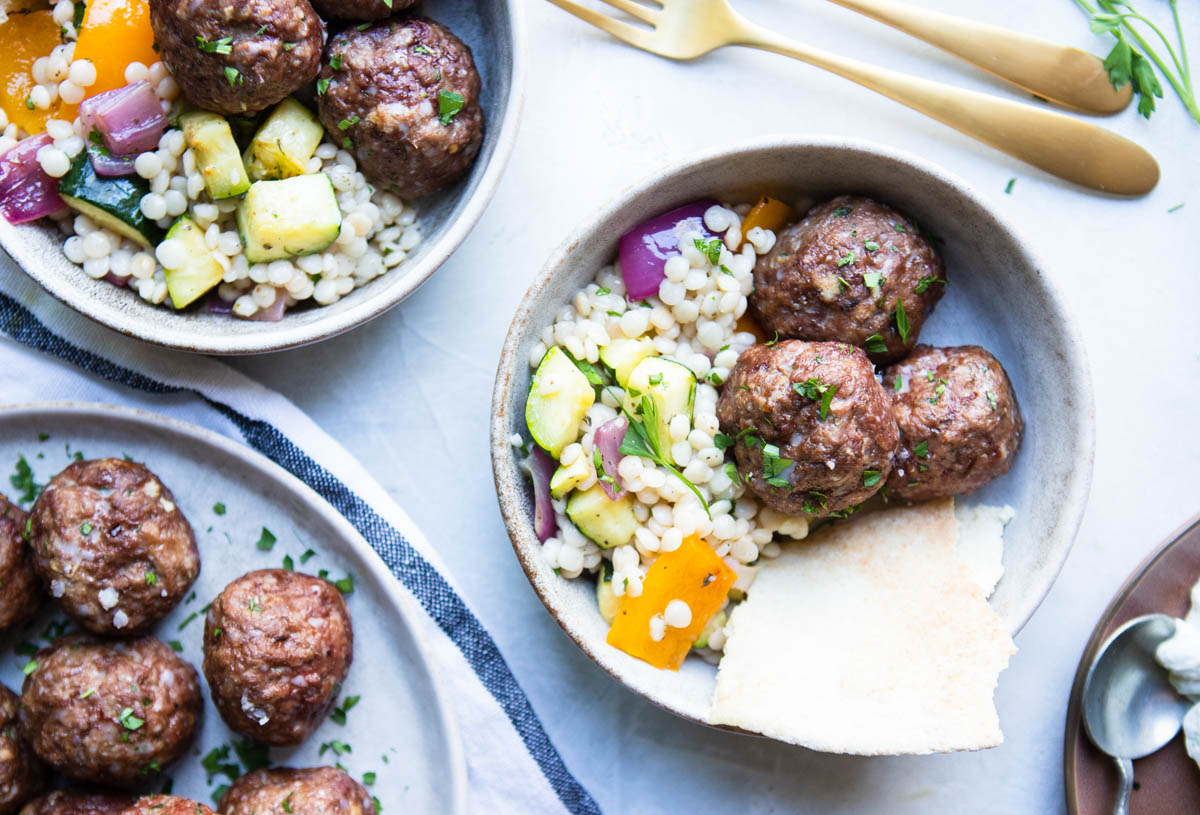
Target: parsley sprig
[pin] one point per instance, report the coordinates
(1127, 64)
(641, 442)
(817, 391)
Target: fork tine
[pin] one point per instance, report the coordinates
(622, 31)
(634, 9)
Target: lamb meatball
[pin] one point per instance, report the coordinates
(112, 712)
(842, 273)
(813, 427)
(405, 96)
(166, 805)
(61, 802)
(20, 592)
(276, 646)
(319, 791)
(238, 56)
(960, 424)
(112, 546)
(21, 774)
(360, 9)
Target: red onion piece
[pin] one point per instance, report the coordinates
(120, 282)
(215, 304)
(540, 468)
(26, 192)
(608, 440)
(130, 118)
(645, 248)
(106, 164)
(274, 312)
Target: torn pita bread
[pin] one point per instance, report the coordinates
(981, 542)
(871, 637)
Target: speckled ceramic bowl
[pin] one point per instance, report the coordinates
(1000, 297)
(495, 31)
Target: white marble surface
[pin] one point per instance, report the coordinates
(409, 393)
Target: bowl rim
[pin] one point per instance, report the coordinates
(509, 484)
(181, 336)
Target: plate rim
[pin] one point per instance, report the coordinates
(1095, 639)
(257, 462)
(179, 335)
(1074, 349)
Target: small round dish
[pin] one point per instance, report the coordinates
(1168, 780)
(402, 729)
(1000, 297)
(495, 30)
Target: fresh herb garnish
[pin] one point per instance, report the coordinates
(128, 720)
(902, 326)
(922, 449)
(875, 344)
(871, 246)
(773, 340)
(288, 563)
(603, 290)
(817, 391)
(151, 579)
(346, 124)
(711, 249)
(338, 747)
(22, 479)
(335, 62)
(176, 646)
(266, 540)
(308, 555)
(322, 86)
(898, 384)
(841, 212)
(85, 528)
(722, 441)
(873, 280)
(773, 465)
(30, 667)
(641, 442)
(218, 508)
(845, 260)
(925, 282)
(602, 476)
(815, 502)
(1175, 208)
(1008, 188)
(221, 46)
(338, 714)
(991, 397)
(449, 104)
(217, 762)
(871, 477)
(233, 75)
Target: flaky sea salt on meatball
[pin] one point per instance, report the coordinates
(283, 791)
(110, 711)
(277, 644)
(814, 432)
(111, 545)
(960, 425)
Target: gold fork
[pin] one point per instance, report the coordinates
(1070, 149)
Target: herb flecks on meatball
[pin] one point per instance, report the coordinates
(852, 270)
(67, 802)
(276, 646)
(960, 424)
(110, 711)
(813, 430)
(111, 545)
(238, 56)
(316, 791)
(403, 95)
(167, 805)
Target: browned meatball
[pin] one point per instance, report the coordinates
(61, 802)
(814, 430)
(846, 273)
(112, 546)
(360, 9)
(318, 791)
(110, 711)
(166, 805)
(238, 56)
(960, 424)
(21, 774)
(404, 95)
(20, 591)
(276, 646)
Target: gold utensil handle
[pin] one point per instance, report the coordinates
(1063, 75)
(1068, 148)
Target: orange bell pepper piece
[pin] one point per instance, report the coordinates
(769, 214)
(23, 38)
(115, 33)
(692, 573)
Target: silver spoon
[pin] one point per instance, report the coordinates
(1130, 709)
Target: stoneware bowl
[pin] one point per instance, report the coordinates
(1000, 296)
(494, 29)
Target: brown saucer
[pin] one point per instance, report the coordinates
(1167, 781)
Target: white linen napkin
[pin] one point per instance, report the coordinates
(48, 352)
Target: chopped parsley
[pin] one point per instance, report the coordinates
(176, 646)
(339, 748)
(1012, 182)
(151, 579)
(925, 282)
(345, 585)
(841, 212)
(233, 76)
(449, 104)
(603, 290)
(639, 441)
(322, 86)
(845, 260)
(30, 667)
(922, 449)
(218, 508)
(288, 46)
(335, 62)
(87, 693)
(871, 477)
(898, 385)
(991, 397)
(348, 143)
(266, 540)
(875, 344)
(902, 326)
(338, 714)
(288, 563)
(815, 502)
(1175, 208)
(722, 441)
(262, 29)
(346, 124)
(22, 479)
(817, 391)
(217, 762)
(369, 778)
(221, 46)
(287, 802)
(128, 720)
(871, 246)
(308, 555)
(731, 472)
(873, 280)
(711, 249)
(422, 49)
(85, 528)
(773, 465)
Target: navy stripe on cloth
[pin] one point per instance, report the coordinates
(406, 563)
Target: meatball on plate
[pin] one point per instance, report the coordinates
(710, 408)
(287, 590)
(21, 773)
(244, 176)
(318, 791)
(70, 802)
(22, 594)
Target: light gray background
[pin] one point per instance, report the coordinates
(409, 393)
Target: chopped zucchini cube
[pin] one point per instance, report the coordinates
(199, 272)
(671, 386)
(609, 523)
(606, 599)
(567, 478)
(559, 398)
(286, 141)
(623, 355)
(113, 202)
(283, 219)
(217, 158)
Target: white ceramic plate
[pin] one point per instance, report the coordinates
(1000, 296)
(495, 31)
(402, 714)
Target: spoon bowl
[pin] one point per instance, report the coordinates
(1130, 709)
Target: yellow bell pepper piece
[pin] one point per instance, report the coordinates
(115, 33)
(692, 573)
(23, 38)
(768, 213)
